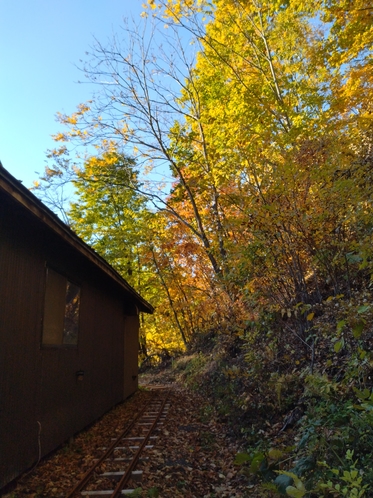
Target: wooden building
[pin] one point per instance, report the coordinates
(68, 331)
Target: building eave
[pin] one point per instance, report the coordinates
(29, 201)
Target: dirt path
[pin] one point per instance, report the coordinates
(193, 456)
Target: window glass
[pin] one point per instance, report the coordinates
(71, 321)
(61, 310)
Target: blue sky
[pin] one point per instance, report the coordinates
(41, 42)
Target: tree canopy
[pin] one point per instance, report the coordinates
(258, 116)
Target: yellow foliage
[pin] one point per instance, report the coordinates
(270, 162)
(59, 137)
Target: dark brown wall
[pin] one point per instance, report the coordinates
(38, 384)
(131, 348)
(19, 330)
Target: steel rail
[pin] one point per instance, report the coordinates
(126, 476)
(80, 485)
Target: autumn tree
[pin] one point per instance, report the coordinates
(263, 135)
(276, 90)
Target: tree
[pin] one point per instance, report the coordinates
(109, 213)
(264, 138)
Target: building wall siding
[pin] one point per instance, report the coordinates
(20, 295)
(39, 388)
(131, 348)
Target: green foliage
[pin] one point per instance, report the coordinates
(366, 400)
(296, 491)
(194, 370)
(153, 493)
(334, 430)
(260, 463)
(242, 458)
(137, 493)
(283, 481)
(347, 482)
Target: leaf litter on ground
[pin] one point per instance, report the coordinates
(193, 456)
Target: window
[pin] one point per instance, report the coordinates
(61, 311)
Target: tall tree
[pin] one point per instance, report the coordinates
(266, 141)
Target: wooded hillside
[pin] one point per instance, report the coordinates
(227, 175)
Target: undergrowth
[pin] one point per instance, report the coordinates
(302, 406)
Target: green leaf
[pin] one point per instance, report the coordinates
(367, 406)
(357, 330)
(275, 454)
(363, 395)
(282, 482)
(242, 458)
(353, 258)
(153, 493)
(256, 462)
(303, 465)
(363, 309)
(302, 443)
(136, 493)
(295, 492)
(339, 345)
(340, 325)
(298, 491)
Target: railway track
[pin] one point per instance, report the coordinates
(120, 462)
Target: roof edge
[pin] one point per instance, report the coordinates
(23, 196)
